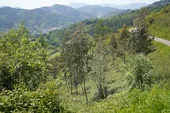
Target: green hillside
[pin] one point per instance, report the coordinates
(159, 23)
(93, 66)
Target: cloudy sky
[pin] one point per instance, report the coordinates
(30, 4)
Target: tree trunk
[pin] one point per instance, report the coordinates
(124, 58)
(82, 89)
(71, 85)
(76, 88)
(85, 92)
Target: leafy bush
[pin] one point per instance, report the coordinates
(139, 72)
(44, 100)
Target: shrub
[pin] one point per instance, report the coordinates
(139, 72)
(44, 100)
(154, 101)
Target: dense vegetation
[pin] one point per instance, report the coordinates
(94, 66)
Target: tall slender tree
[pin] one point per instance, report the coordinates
(75, 52)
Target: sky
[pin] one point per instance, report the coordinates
(31, 4)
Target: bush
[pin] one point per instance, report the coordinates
(139, 72)
(44, 100)
(154, 101)
(22, 59)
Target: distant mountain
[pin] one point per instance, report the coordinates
(49, 18)
(160, 3)
(40, 19)
(77, 5)
(99, 11)
(128, 6)
(70, 14)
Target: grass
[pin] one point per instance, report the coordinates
(161, 61)
(115, 81)
(160, 25)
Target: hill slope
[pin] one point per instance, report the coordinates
(160, 23)
(159, 3)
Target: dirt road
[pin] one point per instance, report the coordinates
(166, 42)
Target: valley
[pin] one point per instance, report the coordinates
(86, 58)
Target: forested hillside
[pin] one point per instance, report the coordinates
(49, 18)
(107, 65)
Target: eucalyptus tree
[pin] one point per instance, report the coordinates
(99, 67)
(75, 51)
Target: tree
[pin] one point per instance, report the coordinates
(139, 72)
(100, 29)
(141, 42)
(22, 60)
(99, 66)
(124, 42)
(113, 45)
(75, 52)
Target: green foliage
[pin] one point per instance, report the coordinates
(154, 101)
(117, 22)
(100, 29)
(99, 66)
(54, 37)
(160, 58)
(139, 72)
(84, 61)
(140, 41)
(44, 100)
(75, 52)
(124, 40)
(159, 23)
(22, 59)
